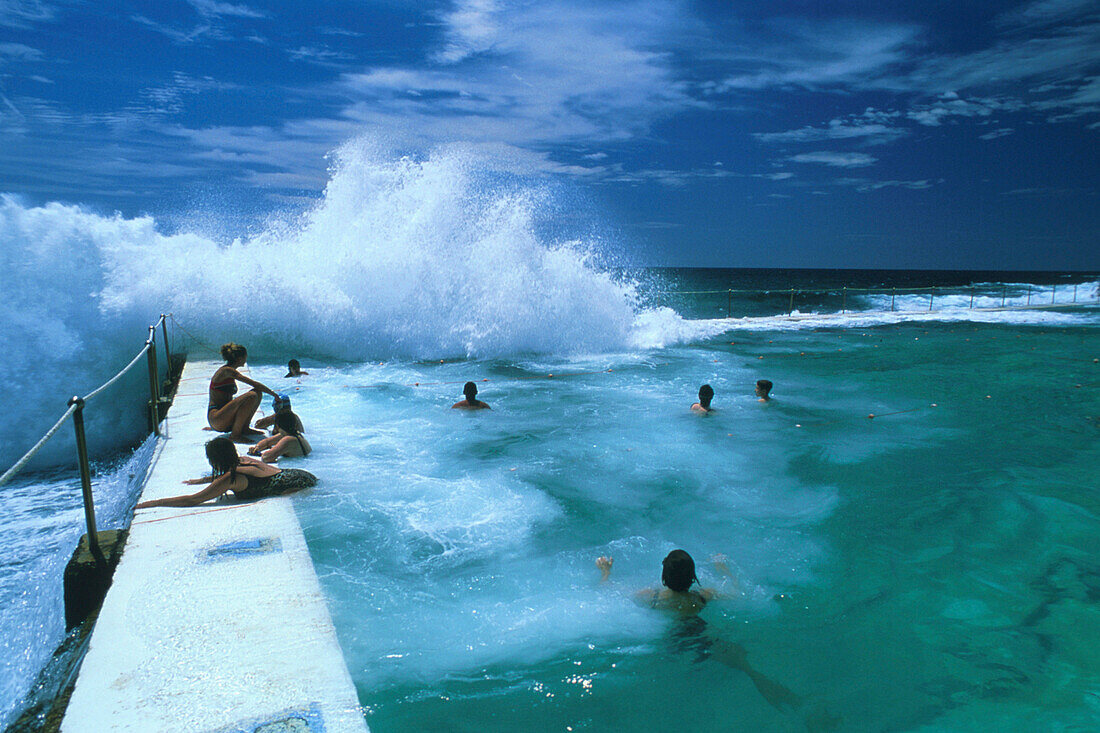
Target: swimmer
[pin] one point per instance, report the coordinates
(691, 633)
(247, 478)
(280, 404)
(471, 402)
(294, 369)
(763, 387)
(706, 394)
(229, 414)
(285, 440)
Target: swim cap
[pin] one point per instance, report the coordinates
(281, 403)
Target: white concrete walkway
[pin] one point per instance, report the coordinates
(215, 620)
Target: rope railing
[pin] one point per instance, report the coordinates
(76, 412)
(10, 473)
(97, 391)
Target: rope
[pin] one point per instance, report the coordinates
(190, 514)
(118, 376)
(10, 473)
(194, 338)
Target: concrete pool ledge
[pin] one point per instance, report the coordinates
(215, 620)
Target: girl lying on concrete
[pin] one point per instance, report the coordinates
(246, 477)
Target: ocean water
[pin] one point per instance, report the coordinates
(929, 568)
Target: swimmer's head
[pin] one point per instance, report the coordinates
(678, 571)
(281, 403)
(763, 387)
(234, 353)
(470, 390)
(293, 366)
(222, 455)
(706, 394)
(288, 422)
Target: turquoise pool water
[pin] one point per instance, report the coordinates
(931, 568)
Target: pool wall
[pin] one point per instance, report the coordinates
(215, 620)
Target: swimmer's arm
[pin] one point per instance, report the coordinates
(265, 422)
(219, 486)
(252, 383)
(263, 445)
(604, 563)
(197, 481)
(721, 566)
(278, 448)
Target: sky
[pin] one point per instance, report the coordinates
(850, 133)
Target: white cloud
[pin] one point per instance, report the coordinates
(18, 52)
(472, 28)
(837, 160)
(522, 76)
(993, 135)
(864, 185)
(819, 55)
(25, 13)
(214, 9)
(320, 56)
(875, 132)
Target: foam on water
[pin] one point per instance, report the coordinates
(409, 258)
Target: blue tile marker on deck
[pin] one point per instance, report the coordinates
(241, 548)
(215, 621)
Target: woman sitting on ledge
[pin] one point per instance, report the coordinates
(229, 414)
(247, 478)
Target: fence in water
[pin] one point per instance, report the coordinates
(901, 300)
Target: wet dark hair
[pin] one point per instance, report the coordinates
(470, 390)
(222, 454)
(706, 394)
(764, 385)
(293, 364)
(288, 422)
(678, 571)
(232, 352)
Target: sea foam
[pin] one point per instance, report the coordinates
(400, 258)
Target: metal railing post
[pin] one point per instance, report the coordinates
(893, 294)
(1004, 294)
(1053, 290)
(971, 298)
(86, 479)
(931, 296)
(729, 304)
(1075, 292)
(1029, 295)
(844, 299)
(790, 305)
(154, 386)
(167, 353)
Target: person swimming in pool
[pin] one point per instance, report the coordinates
(691, 633)
(286, 440)
(279, 405)
(763, 388)
(249, 479)
(229, 414)
(471, 402)
(706, 394)
(294, 369)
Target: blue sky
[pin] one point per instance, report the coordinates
(758, 134)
